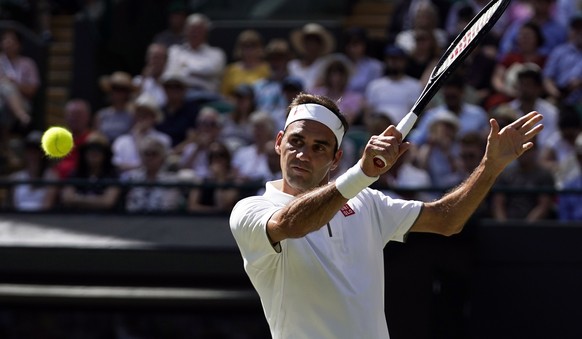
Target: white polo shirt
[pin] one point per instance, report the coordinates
(328, 284)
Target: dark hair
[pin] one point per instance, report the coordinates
(537, 31)
(532, 74)
(219, 149)
(305, 98)
(107, 167)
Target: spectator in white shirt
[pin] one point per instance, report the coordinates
(200, 63)
(126, 147)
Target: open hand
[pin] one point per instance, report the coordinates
(513, 140)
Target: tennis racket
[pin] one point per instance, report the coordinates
(457, 51)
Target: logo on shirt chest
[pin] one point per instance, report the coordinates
(347, 210)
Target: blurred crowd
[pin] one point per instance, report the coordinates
(201, 119)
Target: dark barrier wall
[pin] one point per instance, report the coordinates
(493, 281)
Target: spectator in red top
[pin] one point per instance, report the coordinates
(77, 120)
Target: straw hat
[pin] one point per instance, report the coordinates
(117, 79)
(313, 29)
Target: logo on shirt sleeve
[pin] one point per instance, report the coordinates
(347, 210)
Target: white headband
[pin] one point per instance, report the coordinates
(320, 114)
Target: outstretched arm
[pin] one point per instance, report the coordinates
(449, 214)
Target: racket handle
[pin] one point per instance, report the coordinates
(404, 127)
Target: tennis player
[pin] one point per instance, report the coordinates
(313, 249)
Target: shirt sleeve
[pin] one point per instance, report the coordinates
(395, 217)
(248, 223)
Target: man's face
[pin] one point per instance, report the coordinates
(307, 155)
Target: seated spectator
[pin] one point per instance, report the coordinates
(94, 167)
(78, 121)
(559, 154)
(202, 65)
(150, 79)
(250, 65)
(472, 118)
(126, 147)
(212, 197)
(180, 113)
(563, 70)
(333, 83)
(269, 92)
(530, 91)
(19, 83)
(439, 154)
(290, 87)
(527, 173)
(195, 156)
(153, 170)
(117, 118)
(553, 31)
(471, 151)
(237, 130)
(426, 18)
(174, 32)
(569, 203)
(403, 89)
(250, 161)
(424, 56)
(312, 42)
(365, 68)
(33, 197)
(528, 42)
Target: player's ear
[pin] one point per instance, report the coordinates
(336, 159)
(278, 142)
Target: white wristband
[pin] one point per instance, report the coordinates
(353, 181)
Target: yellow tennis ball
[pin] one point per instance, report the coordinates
(57, 142)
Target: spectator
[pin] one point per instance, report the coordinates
(403, 89)
(251, 161)
(149, 81)
(404, 14)
(528, 42)
(176, 19)
(530, 90)
(195, 156)
(461, 12)
(424, 56)
(312, 42)
(439, 154)
(117, 118)
(78, 121)
(526, 174)
(426, 18)
(472, 118)
(153, 171)
(553, 31)
(237, 130)
(94, 167)
(291, 87)
(333, 83)
(126, 147)
(250, 65)
(559, 154)
(211, 197)
(365, 68)
(19, 70)
(201, 64)
(563, 70)
(179, 112)
(569, 204)
(471, 151)
(269, 92)
(34, 197)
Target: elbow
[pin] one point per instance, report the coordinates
(454, 229)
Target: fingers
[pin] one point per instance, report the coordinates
(392, 131)
(527, 121)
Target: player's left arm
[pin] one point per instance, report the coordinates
(449, 214)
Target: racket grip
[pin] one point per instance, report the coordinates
(404, 127)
